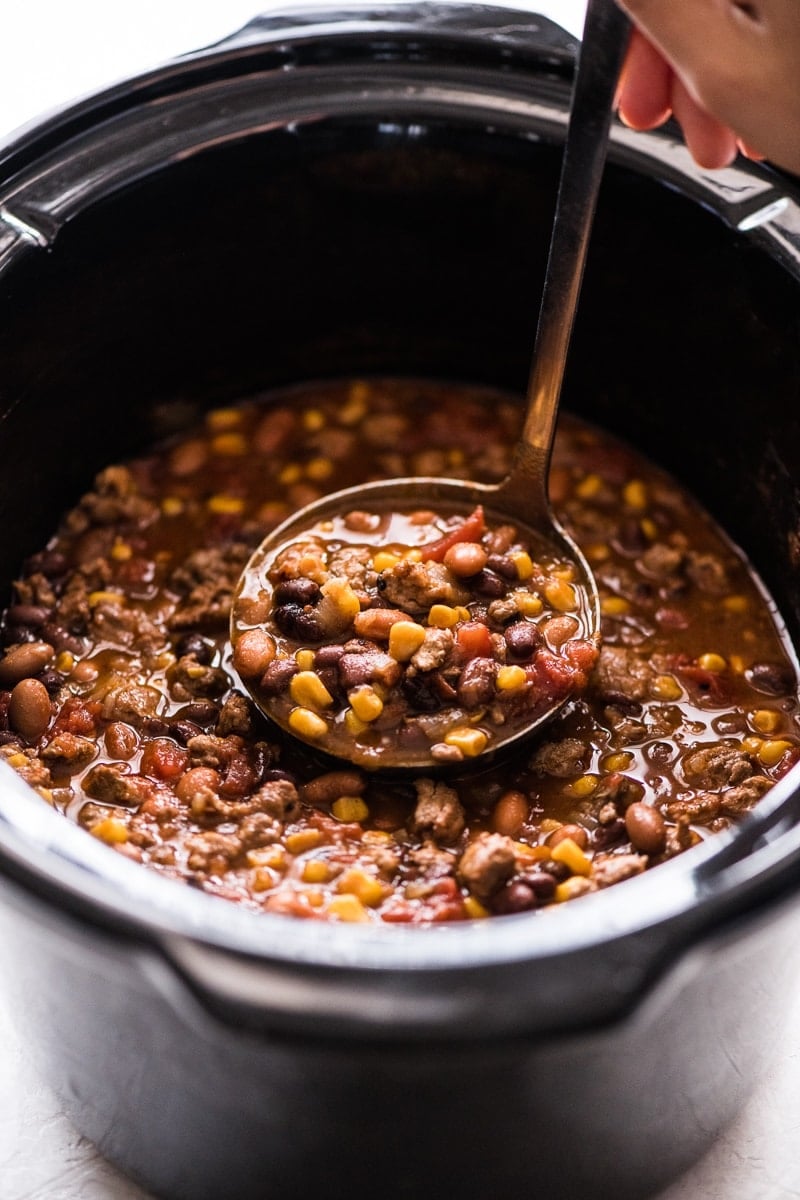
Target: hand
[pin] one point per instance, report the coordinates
(727, 70)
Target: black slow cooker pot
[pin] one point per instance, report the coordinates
(362, 192)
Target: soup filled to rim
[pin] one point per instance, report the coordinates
(122, 701)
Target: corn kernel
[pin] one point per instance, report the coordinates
(290, 474)
(319, 469)
(356, 407)
(649, 528)
(752, 745)
(308, 690)
(597, 552)
(17, 760)
(570, 854)
(772, 751)
(350, 808)
(353, 723)
(261, 879)
(384, 560)
(365, 703)
(405, 638)
(527, 853)
(765, 720)
(223, 418)
(314, 897)
(712, 662)
(463, 613)
(304, 659)
(314, 420)
(522, 561)
(736, 664)
(570, 889)
(172, 506)
(316, 870)
(471, 742)
(267, 856)
(46, 794)
(666, 687)
(303, 840)
(413, 555)
(474, 909)
(511, 679)
(376, 837)
(442, 616)
(229, 445)
(736, 604)
(110, 830)
(588, 487)
(584, 785)
(357, 883)
(225, 506)
(614, 606)
(100, 597)
(549, 825)
(121, 551)
(347, 907)
(455, 457)
(617, 762)
(307, 724)
(560, 595)
(528, 604)
(634, 494)
(65, 661)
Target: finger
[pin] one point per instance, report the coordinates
(711, 144)
(644, 94)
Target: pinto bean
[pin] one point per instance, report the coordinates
(646, 828)
(21, 661)
(510, 813)
(253, 653)
(330, 786)
(29, 709)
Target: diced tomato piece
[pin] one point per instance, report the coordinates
(164, 759)
(474, 640)
(471, 530)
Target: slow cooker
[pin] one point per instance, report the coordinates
(371, 191)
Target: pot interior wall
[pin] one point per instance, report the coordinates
(346, 247)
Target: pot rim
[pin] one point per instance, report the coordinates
(53, 858)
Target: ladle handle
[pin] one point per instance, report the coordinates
(600, 57)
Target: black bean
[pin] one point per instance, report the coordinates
(155, 727)
(49, 563)
(773, 679)
(504, 566)
(489, 583)
(201, 712)
(515, 897)
(418, 692)
(296, 591)
(612, 834)
(275, 679)
(299, 623)
(9, 739)
(181, 731)
(523, 639)
(557, 870)
(33, 615)
(630, 537)
(63, 639)
(196, 646)
(273, 774)
(543, 884)
(52, 680)
(13, 634)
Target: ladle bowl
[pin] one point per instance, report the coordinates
(522, 498)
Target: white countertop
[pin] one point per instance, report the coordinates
(54, 51)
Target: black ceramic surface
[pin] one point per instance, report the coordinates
(372, 192)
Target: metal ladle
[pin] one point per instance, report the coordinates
(522, 497)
